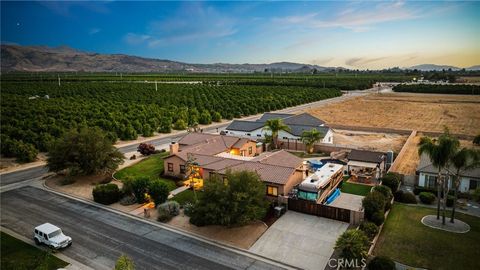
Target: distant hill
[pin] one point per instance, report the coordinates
(474, 68)
(429, 67)
(63, 58)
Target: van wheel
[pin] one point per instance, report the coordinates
(36, 241)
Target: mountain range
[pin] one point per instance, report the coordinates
(64, 58)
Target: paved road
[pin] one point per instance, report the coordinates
(100, 236)
(19, 176)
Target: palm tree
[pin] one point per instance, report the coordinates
(275, 126)
(309, 138)
(464, 159)
(440, 152)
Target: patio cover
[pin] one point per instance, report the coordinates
(362, 164)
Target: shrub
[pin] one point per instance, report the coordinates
(476, 195)
(106, 193)
(381, 263)
(133, 157)
(168, 210)
(398, 195)
(163, 215)
(67, 180)
(353, 244)
(450, 200)
(373, 202)
(128, 200)
(426, 197)
(146, 149)
(378, 218)
(158, 192)
(385, 190)
(409, 197)
(139, 188)
(392, 181)
(188, 209)
(124, 263)
(369, 228)
(418, 189)
(25, 152)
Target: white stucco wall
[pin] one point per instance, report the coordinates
(464, 182)
(282, 135)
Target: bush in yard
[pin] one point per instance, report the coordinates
(124, 263)
(353, 244)
(372, 203)
(172, 207)
(385, 190)
(240, 201)
(476, 195)
(188, 209)
(381, 263)
(426, 197)
(369, 228)
(378, 218)
(158, 191)
(128, 200)
(163, 215)
(398, 195)
(391, 180)
(146, 149)
(418, 189)
(409, 197)
(450, 200)
(106, 193)
(139, 188)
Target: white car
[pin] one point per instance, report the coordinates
(51, 236)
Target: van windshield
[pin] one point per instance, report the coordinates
(55, 233)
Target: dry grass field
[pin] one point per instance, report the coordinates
(370, 140)
(423, 112)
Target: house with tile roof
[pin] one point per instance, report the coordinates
(215, 155)
(427, 175)
(298, 123)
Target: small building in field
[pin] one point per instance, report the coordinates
(427, 176)
(215, 155)
(366, 166)
(297, 123)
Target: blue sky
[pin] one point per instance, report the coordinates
(351, 34)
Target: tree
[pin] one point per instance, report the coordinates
(124, 263)
(84, 152)
(372, 203)
(464, 159)
(158, 191)
(216, 117)
(180, 125)
(147, 130)
(353, 244)
(275, 126)
(309, 138)
(139, 187)
(24, 152)
(205, 118)
(235, 200)
(146, 149)
(165, 125)
(440, 153)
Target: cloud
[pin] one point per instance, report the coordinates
(362, 61)
(64, 7)
(193, 22)
(94, 31)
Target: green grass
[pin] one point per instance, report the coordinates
(356, 189)
(151, 167)
(20, 255)
(186, 196)
(405, 239)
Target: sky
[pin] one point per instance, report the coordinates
(360, 34)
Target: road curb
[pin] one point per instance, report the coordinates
(175, 230)
(73, 264)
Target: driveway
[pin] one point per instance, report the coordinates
(301, 240)
(100, 236)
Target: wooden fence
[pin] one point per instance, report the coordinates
(320, 210)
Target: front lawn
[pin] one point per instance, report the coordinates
(356, 189)
(17, 254)
(151, 167)
(186, 196)
(405, 239)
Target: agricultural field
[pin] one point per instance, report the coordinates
(423, 112)
(35, 113)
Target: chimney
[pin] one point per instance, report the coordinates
(174, 148)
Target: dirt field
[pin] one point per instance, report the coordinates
(370, 140)
(423, 112)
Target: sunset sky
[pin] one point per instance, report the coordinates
(350, 34)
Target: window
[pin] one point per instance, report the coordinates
(170, 167)
(182, 168)
(473, 184)
(272, 191)
(248, 134)
(242, 153)
(250, 150)
(430, 181)
(259, 135)
(285, 138)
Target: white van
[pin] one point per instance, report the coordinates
(51, 236)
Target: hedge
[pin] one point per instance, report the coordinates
(426, 197)
(381, 263)
(106, 193)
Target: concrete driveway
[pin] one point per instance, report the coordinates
(301, 240)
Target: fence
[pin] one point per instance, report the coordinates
(321, 210)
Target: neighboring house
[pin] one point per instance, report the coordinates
(297, 124)
(365, 165)
(217, 154)
(427, 175)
